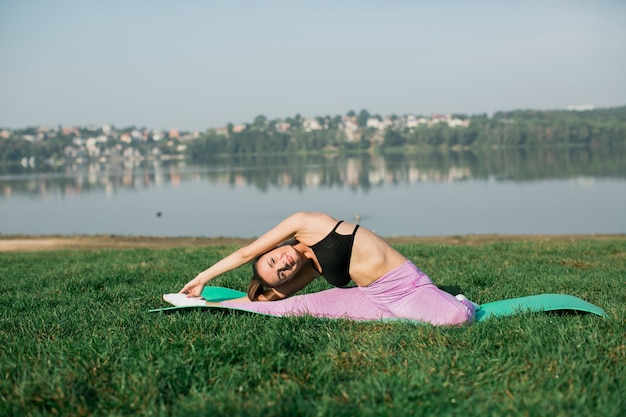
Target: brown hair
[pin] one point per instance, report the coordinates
(257, 284)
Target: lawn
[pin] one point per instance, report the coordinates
(76, 338)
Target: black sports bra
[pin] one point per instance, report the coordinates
(334, 253)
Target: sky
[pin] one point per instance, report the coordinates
(194, 65)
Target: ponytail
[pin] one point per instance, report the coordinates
(255, 289)
(257, 285)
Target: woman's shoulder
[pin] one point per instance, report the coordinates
(307, 217)
(315, 214)
(312, 226)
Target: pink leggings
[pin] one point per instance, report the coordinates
(405, 292)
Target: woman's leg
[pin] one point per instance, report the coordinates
(433, 305)
(349, 303)
(407, 292)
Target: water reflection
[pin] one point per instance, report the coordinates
(300, 173)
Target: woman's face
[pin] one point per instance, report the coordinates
(279, 265)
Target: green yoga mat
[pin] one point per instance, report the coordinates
(540, 302)
(532, 303)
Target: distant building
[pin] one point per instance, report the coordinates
(411, 121)
(375, 123)
(66, 131)
(137, 135)
(221, 131)
(157, 135)
(580, 107)
(190, 136)
(311, 124)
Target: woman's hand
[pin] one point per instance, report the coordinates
(193, 288)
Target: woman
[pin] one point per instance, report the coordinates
(387, 284)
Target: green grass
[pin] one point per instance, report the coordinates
(76, 339)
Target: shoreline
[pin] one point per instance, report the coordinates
(28, 243)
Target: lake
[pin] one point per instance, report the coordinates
(439, 193)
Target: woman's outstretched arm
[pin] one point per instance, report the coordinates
(286, 229)
(194, 287)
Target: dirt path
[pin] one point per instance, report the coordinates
(47, 243)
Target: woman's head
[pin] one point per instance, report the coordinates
(274, 268)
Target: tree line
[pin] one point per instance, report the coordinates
(600, 127)
(519, 128)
